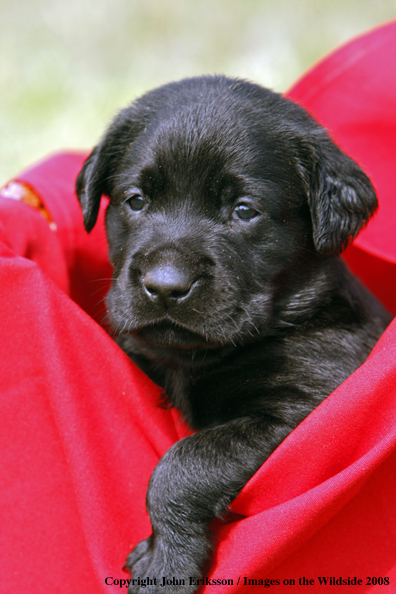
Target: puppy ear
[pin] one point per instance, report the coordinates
(341, 198)
(96, 176)
(89, 188)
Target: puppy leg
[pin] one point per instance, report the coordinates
(194, 482)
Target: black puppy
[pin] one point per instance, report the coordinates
(228, 208)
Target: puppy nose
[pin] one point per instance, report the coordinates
(167, 284)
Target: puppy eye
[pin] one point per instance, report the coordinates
(244, 212)
(136, 202)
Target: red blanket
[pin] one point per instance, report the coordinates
(80, 425)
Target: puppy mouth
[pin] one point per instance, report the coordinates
(172, 335)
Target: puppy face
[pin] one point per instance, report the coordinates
(222, 194)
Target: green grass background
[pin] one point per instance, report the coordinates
(66, 66)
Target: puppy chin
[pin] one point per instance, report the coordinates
(170, 335)
(177, 353)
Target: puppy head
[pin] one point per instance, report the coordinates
(219, 191)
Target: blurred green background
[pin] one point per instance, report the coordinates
(66, 66)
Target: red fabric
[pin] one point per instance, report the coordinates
(81, 429)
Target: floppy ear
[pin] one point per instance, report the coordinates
(341, 198)
(96, 176)
(89, 189)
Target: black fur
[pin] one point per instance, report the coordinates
(247, 323)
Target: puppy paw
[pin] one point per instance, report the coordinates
(138, 552)
(157, 567)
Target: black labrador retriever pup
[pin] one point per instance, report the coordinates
(229, 206)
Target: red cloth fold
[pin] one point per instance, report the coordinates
(81, 429)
